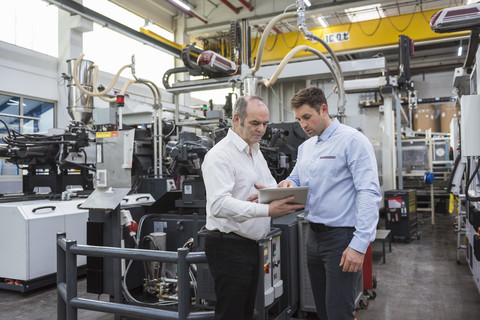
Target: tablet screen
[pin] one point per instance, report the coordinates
(267, 195)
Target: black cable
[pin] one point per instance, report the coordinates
(256, 41)
(469, 198)
(296, 41)
(452, 174)
(274, 43)
(409, 22)
(374, 31)
(6, 127)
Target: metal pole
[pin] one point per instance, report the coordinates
(71, 279)
(61, 278)
(398, 116)
(195, 228)
(116, 262)
(155, 143)
(183, 284)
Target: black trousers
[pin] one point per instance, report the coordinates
(334, 291)
(234, 264)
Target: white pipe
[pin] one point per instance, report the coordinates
(263, 40)
(158, 120)
(120, 118)
(155, 145)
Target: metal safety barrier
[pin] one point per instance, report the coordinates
(68, 301)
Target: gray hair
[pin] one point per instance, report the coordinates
(241, 107)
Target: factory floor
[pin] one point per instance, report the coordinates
(420, 280)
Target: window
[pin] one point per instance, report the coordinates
(23, 115)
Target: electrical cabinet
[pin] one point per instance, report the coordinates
(401, 213)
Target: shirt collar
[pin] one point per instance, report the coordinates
(328, 132)
(239, 143)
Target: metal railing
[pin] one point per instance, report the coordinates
(68, 301)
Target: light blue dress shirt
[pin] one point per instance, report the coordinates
(340, 169)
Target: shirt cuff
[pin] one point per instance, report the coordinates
(261, 210)
(359, 245)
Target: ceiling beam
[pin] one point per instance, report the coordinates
(76, 8)
(326, 8)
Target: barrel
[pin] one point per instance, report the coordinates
(424, 118)
(448, 111)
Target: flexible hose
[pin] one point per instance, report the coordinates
(263, 40)
(95, 74)
(151, 85)
(290, 55)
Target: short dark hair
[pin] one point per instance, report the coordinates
(241, 107)
(312, 96)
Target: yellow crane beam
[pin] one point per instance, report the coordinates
(162, 39)
(351, 37)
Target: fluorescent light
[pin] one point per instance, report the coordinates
(460, 51)
(307, 3)
(364, 13)
(182, 4)
(322, 21)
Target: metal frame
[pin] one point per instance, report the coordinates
(68, 301)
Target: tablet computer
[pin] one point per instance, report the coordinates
(267, 195)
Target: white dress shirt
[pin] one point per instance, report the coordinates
(229, 174)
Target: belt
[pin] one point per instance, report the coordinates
(229, 236)
(320, 227)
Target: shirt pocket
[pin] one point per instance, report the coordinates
(324, 166)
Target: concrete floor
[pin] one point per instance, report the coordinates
(420, 280)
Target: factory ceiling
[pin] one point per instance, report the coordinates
(207, 18)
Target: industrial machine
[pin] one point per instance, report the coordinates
(463, 183)
(401, 213)
(458, 18)
(141, 187)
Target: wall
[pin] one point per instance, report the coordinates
(431, 85)
(27, 72)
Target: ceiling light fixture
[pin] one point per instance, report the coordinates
(322, 22)
(182, 4)
(364, 13)
(460, 49)
(187, 9)
(307, 3)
